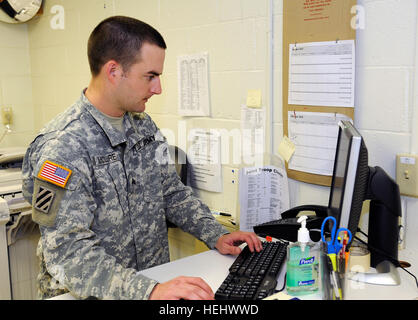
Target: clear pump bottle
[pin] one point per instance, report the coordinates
(302, 275)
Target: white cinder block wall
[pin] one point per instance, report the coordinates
(235, 33)
(16, 83)
(16, 92)
(386, 98)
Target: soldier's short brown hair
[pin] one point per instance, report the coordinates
(120, 38)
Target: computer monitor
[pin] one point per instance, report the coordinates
(349, 179)
(353, 181)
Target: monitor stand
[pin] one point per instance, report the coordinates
(385, 210)
(387, 275)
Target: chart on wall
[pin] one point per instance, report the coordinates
(314, 135)
(322, 73)
(193, 82)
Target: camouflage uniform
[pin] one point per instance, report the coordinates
(109, 219)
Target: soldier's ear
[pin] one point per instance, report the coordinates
(113, 71)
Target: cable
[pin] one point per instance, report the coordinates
(284, 282)
(416, 281)
(4, 134)
(284, 285)
(394, 261)
(363, 233)
(6, 131)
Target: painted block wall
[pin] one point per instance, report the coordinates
(16, 83)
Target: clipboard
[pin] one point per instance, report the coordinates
(313, 21)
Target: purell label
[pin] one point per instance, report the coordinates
(309, 260)
(306, 283)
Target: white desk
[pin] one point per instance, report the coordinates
(213, 268)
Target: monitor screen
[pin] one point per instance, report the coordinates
(350, 177)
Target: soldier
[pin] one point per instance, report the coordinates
(100, 185)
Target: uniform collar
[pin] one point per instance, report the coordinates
(133, 134)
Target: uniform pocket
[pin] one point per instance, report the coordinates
(153, 187)
(110, 180)
(151, 174)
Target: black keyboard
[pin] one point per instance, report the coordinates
(253, 275)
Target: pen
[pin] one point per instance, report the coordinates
(333, 258)
(342, 264)
(341, 242)
(344, 244)
(337, 287)
(221, 213)
(333, 279)
(347, 256)
(225, 214)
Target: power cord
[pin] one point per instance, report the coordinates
(284, 282)
(284, 285)
(6, 131)
(394, 261)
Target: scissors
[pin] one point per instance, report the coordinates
(334, 246)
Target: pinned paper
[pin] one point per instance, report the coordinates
(254, 99)
(286, 148)
(315, 136)
(263, 194)
(205, 156)
(322, 73)
(193, 85)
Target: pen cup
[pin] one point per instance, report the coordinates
(333, 281)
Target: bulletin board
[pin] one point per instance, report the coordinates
(306, 21)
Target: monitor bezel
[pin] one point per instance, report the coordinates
(344, 213)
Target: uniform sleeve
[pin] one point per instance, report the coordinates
(187, 211)
(72, 251)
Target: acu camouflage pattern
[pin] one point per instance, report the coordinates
(111, 220)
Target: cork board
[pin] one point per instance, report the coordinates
(313, 21)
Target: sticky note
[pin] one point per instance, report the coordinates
(254, 99)
(286, 148)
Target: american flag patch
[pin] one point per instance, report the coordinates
(54, 173)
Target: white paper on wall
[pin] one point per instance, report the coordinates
(205, 158)
(315, 137)
(253, 123)
(322, 73)
(264, 195)
(193, 85)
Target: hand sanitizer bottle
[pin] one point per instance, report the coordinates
(302, 263)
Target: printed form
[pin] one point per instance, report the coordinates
(193, 85)
(205, 156)
(322, 73)
(315, 137)
(264, 195)
(253, 124)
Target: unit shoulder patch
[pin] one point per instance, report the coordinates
(46, 200)
(43, 199)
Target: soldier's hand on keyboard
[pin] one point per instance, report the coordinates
(228, 243)
(187, 288)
